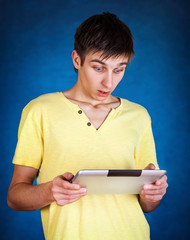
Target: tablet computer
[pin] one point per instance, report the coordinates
(116, 181)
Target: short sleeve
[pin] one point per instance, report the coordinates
(145, 150)
(29, 149)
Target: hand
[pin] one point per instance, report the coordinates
(154, 192)
(65, 192)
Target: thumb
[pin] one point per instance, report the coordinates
(67, 176)
(150, 166)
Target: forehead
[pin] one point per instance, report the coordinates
(113, 60)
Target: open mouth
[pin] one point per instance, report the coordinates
(103, 94)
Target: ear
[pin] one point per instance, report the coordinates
(76, 59)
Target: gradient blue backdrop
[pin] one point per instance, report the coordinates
(35, 53)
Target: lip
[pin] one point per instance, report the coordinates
(101, 94)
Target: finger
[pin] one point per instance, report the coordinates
(70, 186)
(62, 199)
(154, 186)
(152, 198)
(67, 176)
(59, 182)
(150, 166)
(151, 187)
(62, 190)
(161, 180)
(59, 196)
(153, 192)
(74, 192)
(64, 202)
(59, 179)
(74, 200)
(156, 191)
(70, 197)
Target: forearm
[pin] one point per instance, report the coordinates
(28, 197)
(148, 206)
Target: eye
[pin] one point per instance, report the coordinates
(118, 70)
(99, 69)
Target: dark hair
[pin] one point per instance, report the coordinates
(104, 33)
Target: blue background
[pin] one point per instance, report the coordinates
(35, 54)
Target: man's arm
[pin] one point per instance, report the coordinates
(24, 196)
(151, 194)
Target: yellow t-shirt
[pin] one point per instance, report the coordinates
(55, 137)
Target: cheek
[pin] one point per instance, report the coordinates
(91, 78)
(85, 76)
(117, 80)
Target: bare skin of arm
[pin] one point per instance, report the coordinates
(24, 196)
(151, 194)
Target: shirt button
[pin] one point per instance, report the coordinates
(79, 111)
(89, 124)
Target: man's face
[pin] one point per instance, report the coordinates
(98, 78)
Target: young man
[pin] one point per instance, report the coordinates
(87, 128)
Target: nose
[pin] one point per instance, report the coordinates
(108, 81)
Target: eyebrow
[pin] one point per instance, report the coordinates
(103, 63)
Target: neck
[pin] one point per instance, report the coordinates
(77, 94)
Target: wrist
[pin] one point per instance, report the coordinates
(50, 192)
(147, 205)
